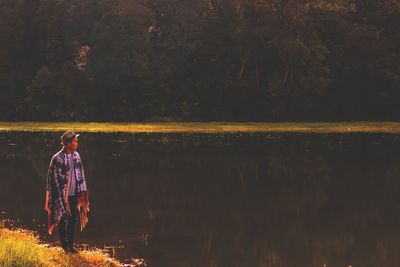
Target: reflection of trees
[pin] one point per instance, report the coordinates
(24, 162)
(243, 201)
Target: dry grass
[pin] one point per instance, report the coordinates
(206, 127)
(19, 247)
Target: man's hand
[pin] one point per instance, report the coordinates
(46, 205)
(67, 207)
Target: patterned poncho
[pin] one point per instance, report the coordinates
(57, 183)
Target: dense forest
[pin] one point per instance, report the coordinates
(199, 60)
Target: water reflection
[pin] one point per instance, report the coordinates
(222, 200)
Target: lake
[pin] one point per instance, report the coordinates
(216, 200)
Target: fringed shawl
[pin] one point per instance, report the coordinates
(57, 183)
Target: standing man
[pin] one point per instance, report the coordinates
(66, 192)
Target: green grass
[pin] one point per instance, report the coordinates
(20, 251)
(206, 127)
(19, 247)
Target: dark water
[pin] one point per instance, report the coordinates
(222, 200)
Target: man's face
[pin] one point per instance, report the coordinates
(73, 144)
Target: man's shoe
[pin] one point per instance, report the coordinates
(66, 249)
(73, 250)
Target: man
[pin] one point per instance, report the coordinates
(66, 191)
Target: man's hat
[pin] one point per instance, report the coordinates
(67, 136)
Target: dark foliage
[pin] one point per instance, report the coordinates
(197, 60)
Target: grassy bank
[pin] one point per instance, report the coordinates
(206, 127)
(19, 247)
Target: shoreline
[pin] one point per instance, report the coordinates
(22, 247)
(206, 127)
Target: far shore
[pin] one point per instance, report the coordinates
(206, 127)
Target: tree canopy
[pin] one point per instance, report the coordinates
(199, 60)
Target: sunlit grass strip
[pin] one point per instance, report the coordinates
(206, 127)
(20, 247)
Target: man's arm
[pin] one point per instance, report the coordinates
(81, 166)
(48, 184)
(83, 171)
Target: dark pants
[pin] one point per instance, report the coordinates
(66, 227)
